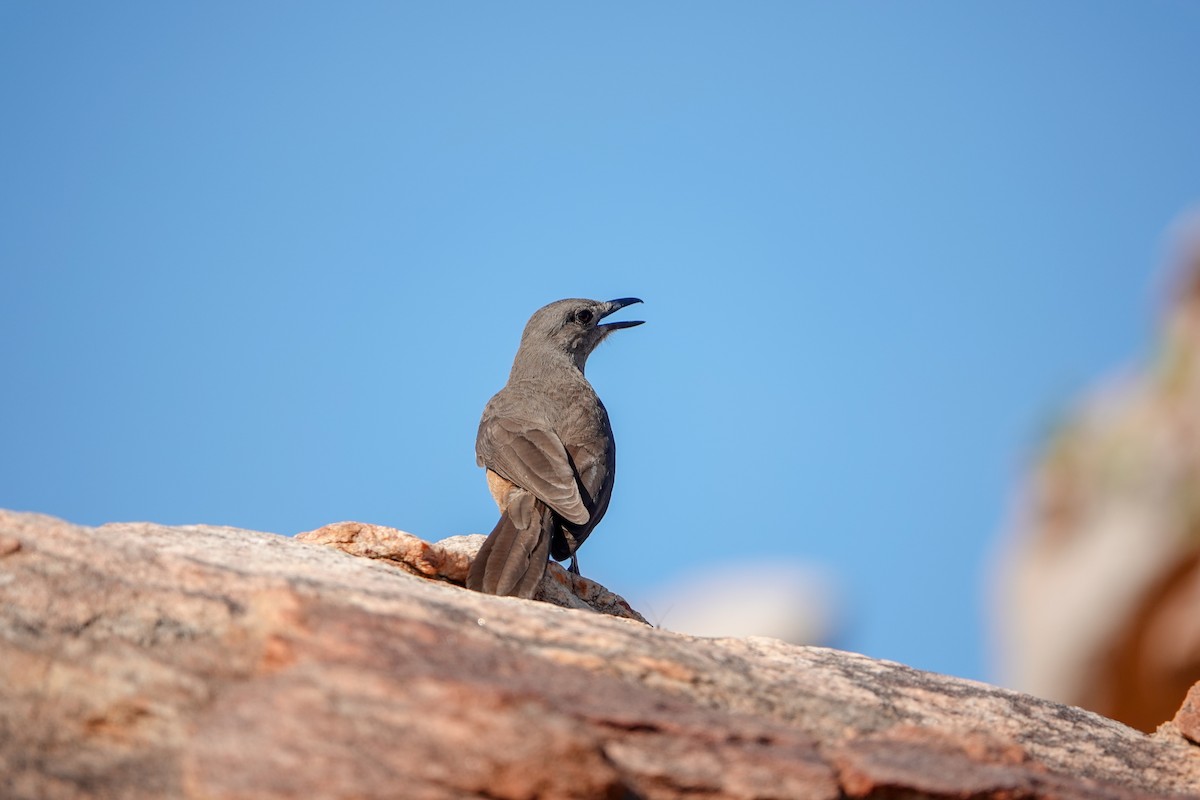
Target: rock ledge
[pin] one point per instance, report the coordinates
(142, 661)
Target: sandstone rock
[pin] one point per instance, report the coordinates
(141, 661)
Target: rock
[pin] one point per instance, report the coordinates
(1187, 718)
(395, 547)
(450, 560)
(1097, 599)
(142, 661)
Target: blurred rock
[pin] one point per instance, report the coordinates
(1099, 596)
(793, 602)
(141, 661)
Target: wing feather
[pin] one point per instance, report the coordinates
(533, 458)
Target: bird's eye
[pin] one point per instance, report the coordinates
(583, 316)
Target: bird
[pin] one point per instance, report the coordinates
(547, 447)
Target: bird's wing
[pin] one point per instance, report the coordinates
(534, 459)
(593, 462)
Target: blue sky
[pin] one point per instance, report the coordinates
(264, 263)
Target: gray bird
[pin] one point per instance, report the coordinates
(548, 449)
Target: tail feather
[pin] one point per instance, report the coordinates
(513, 559)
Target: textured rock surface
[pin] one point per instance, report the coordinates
(1098, 601)
(1187, 718)
(450, 560)
(141, 661)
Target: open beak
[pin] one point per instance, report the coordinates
(614, 306)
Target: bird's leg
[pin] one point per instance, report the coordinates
(574, 545)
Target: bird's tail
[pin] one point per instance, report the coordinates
(513, 559)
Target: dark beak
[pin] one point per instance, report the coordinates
(614, 306)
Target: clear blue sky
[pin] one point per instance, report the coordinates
(264, 263)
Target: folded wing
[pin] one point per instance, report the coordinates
(533, 458)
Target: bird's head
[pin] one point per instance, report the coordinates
(574, 327)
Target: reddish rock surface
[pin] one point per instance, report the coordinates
(1187, 718)
(141, 661)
